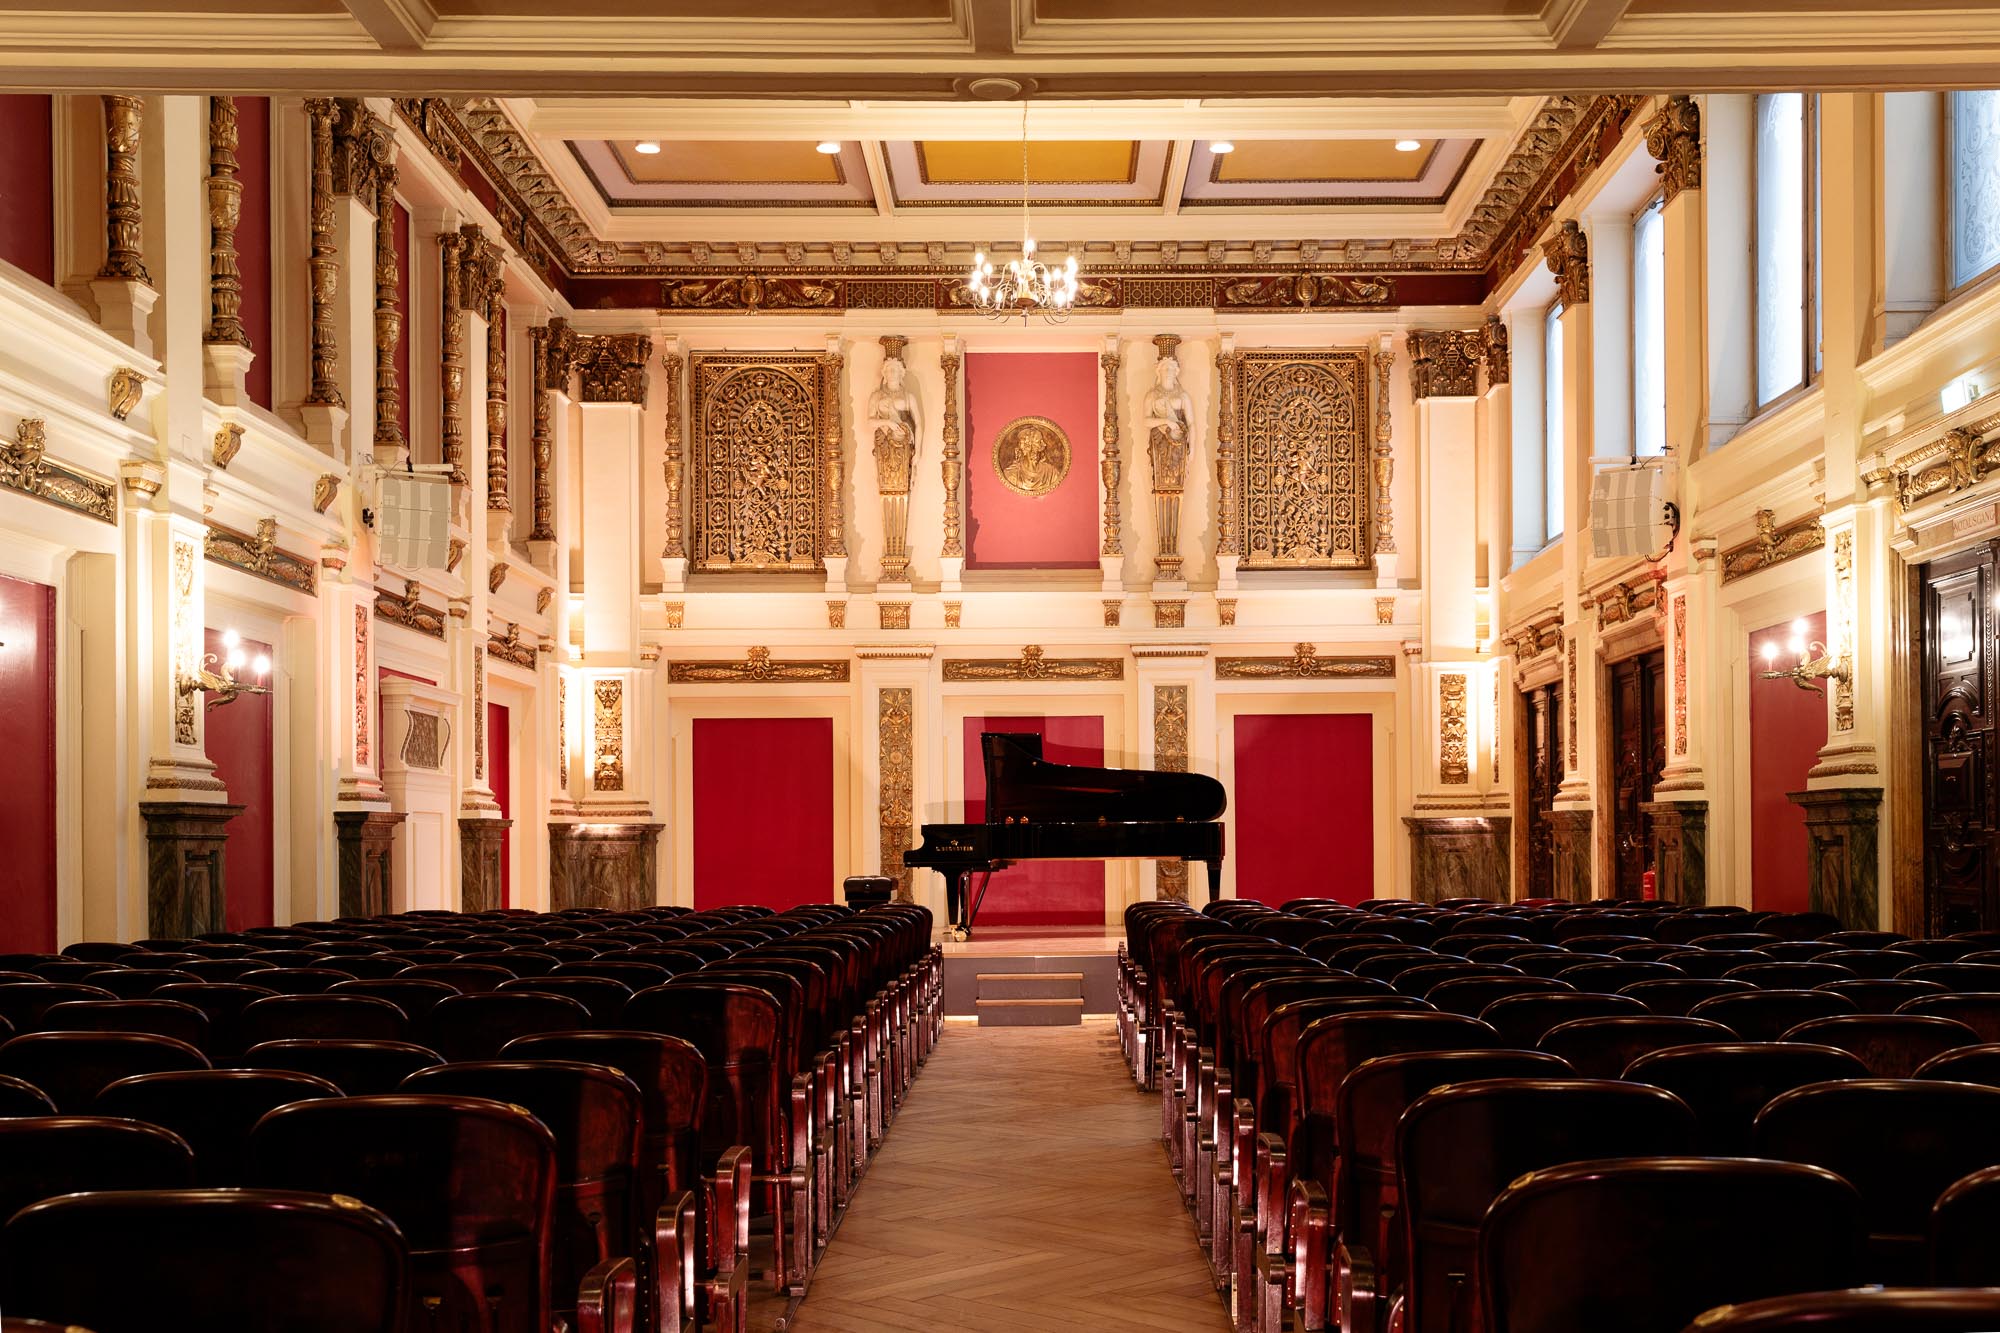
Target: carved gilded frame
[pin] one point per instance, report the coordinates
(758, 486)
(1301, 433)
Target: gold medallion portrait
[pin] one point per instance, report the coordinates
(1031, 454)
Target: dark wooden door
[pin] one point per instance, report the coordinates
(1638, 753)
(1961, 832)
(1541, 719)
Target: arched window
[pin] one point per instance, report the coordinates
(1649, 330)
(1552, 431)
(1786, 231)
(1975, 184)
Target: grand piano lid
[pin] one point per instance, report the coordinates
(1020, 784)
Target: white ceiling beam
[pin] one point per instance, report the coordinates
(1579, 25)
(396, 25)
(993, 26)
(1182, 154)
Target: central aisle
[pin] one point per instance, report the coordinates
(1023, 1187)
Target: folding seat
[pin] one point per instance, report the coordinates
(1602, 1047)
(1963, 978)
(470, 978)
(525, 962)
(1677, 995)
(224, 969)
(73, 1067)
(214, 1110)
(347, 949)
(1387, 966)
(1649, 1244)
(1461, 942)
(323, 1017)
(1943, 951)
(594, 1114)
(1800, 926)
(368, 967)
(71, 969)
(816, 1046)
(637, 975)
(303, 980)
(1868, 1310)
(165, 1018)
(129, 984)
(1610, 942)
(1979, 1012)
(248, 1279)
(22, 1003)
(18, 1097)
(1766, 1015)
(1963, 1223)
(1727, 1083)
(1798, 951)
(1610, 978)
(1965, 1064)
(1419, 980)
(1891, 1045)
(1349, 1220)
(1460, 1145)
(476, 1027)
(1650, 951)
(1471, 996)
(1881, 995)
(300, 957)
(357, 1068)
(42, 1157)
(603, 998)
(1901, 1142)
(1523, 1019)
(1344, 953)
(1712, 962)
(469, 1182)
(414, 996)
(1554, 964)
(96, 951)
(421, 955)
(1789, 976)
(1735, 940)
(1864, 939)
(1505, 951)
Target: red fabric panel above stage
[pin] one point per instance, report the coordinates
(28, 739)
(1009, 530)
(238, 737)
(1039, 893)
(763, 811)
(1787, 729)
(1305, 806)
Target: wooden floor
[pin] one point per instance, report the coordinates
(1022, 1188)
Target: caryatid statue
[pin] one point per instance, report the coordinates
(897, 425)
(1168, 417)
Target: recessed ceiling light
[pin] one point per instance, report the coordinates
(829, 146)
(1407, 145)
(646, 146)
(1221, 146)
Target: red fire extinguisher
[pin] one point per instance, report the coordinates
(1649, 886)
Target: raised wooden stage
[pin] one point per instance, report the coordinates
(1088, 951)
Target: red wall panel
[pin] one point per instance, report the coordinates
(1787, 729)
(1008, 530)
(1038, 893)
(253, 237)
(1304, 806)
(27, 184)
(763, 811)
(238, 738)
(500, 777)
(28, 739)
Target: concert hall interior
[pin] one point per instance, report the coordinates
(1000, 665)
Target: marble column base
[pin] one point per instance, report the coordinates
(1680, 849)
(1574, 855)
(186, 890)
(482, 858)
(1460, 857)
(1842, 827)
(367, 842)
(611, 866)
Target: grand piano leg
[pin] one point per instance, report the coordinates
(1214, 881)
(955, 898)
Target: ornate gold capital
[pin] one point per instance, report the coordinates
(1444, 363)
(1567, 254)
(1673, 135)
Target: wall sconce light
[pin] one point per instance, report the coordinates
(217, 678)
(1816, 662)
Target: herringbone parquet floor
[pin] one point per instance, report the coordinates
(1021, 1190)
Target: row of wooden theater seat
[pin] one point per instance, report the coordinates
(583, 1147)
(1322, 1196)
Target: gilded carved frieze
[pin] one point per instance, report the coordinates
(1623, 601)
(1958, 462)
(508, 647)
(1673, 137)
(1773, 545)
(562, 732)
(25, 466)
(1680, 675)
(1384, 359)
(1109, 463)
(749, 293)
(895, 712)
(1305, 663)
(1444, 363)
(1170, 755)
(1303, 473)
(1034, 664)
(228, 440)
(760, 435)
(1567, 254)
(607, 768)
(408, 610)
(611, 367)
(186, 623)
(1532, 640)
(423, 741)
(953, 548)
(674, 464)
(363, 674)
(757, 668)
(1843, 628)
(260, 555)
(1454, 769)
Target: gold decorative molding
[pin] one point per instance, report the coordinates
(1681, 675)
(325, 488)
(1113, 606)
(836, 614)
(409, 611)
(1302, 291)
(611, 367)
(26, 467)
(757, 668)
(1170, 613)
(1497, 350)
(454, 552)
(759, 499)
(364, 152)
(227, 443)
(498, 500)
(1569, 702)
(541, 431)
(674, 457)
(1031, 455)
(508, 647)
(497, 575)
(1673, 136)
(1567, 254)
(423, 742)
(896, 755)
(1957, 462)
(954, 533)
(323, 257)
(260, 555)
(1384, 359)
(1623, 601)
(1225, 610)
(954, 614)
(127, 387)
(124, 220)
(1842, 627)
(1301, 489)
(893, 615)
(562, 731)
(187, 645)
(1305, 663)
(1444, 363)
(1170, 755)
(607, 768)
(432, 119)
(749, 293)
(1228, 533)
(1385, 610)
(1033, 664)
(364, 674)
(1108, 464)
(225, 211)
(833, 457)
(543, 596)
(1531, 641)
(1453, 770)
(676, 614)
(1773, 545)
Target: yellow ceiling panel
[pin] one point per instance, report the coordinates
(719, 162)
(1068, 162)
(1271, 160)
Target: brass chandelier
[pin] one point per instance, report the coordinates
(1025, 286)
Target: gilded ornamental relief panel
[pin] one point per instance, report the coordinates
(1300, 457)
(759, 480)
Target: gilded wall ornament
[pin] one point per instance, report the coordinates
(364, 151)
(1034, 664)
(1225, 610)
(607, 768)
(1302, 479)
(1956, 463)
(260, 555)
(1622, 601)
(674, 457)
(127, 387)
(1170, 755)
(227, 443)
(388, 318)
(893, 615)
(1383, 357)
(1170, 613)
(364, 674)
(325, 489)
(757, 668)
(1385, 610)
(423, 740)
(1109, 460)
(1112, 609)
(1567, 254)
(1305, 663)
(497, 575)
(1498, 352)
(1569, 704)
(953, 548)
(323, 258)
(186, 625)
(124, 220)
(498, 500)
(409, 611)
(1304, 291)
(1531, 641)
(836, 614)
(760, 436)
(1170, 443)
(1843, 627)
(749, 292)
(896, 424)
(562, 732)
(225, 210)
(543, 596)
(611, 367)
(1773, 545)
(1228, 527)
(454, 552)
(1673, 136)
(432, 119)
(1444, 363)
(676, 614)
(508, 647)
(1031, 455)
(894, 718)
(954, 615)
(1453, 770)
(451, 350)
(833, 457)
(1680, 675)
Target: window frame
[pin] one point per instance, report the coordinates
(1954, 284)
(1554, 473)
(1809, 236)
(1654, 208)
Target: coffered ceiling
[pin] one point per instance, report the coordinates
(937, 49)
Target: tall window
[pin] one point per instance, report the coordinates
(1787, 229)
(1649, 330)
(1975, 184)
(1552, 432)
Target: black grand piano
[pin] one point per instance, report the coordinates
(1041, 811)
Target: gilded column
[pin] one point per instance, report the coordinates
(225, 210)
(1114, 538)
(124, 231)
(548, 345)
(323, 262)
(895, 713)
(451, 352)
(830, 363)
(675, 464)
(388, 320)
(497, 497)
(1385, 458)
(1170, 755)
(954, 532)
(1228, 540)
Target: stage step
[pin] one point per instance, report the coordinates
(1051, 1013)
(1030, 985)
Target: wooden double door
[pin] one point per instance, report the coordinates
(1961, 825)
(1638, 715)
(1542, 725)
